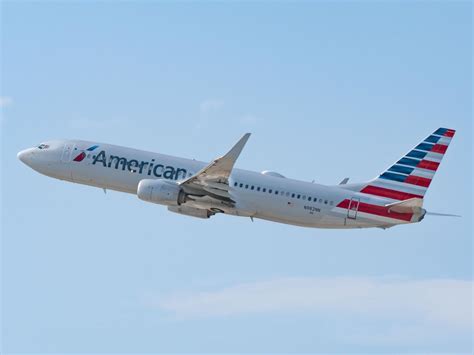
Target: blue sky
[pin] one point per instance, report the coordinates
(328, 90)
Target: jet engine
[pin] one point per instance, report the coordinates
(161, 191)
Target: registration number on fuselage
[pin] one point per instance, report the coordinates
(312, 209)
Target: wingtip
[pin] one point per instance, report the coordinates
(246, 136)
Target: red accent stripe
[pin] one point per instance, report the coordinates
(343, 204)
(439, 148)
(378, 210)
(427, 164)
(449, 133)
(80, 157)
(396, 195)
(417, 180)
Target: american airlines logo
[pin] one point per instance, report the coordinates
(83, 154)
(150, 168)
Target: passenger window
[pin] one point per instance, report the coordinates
(292, 195)
(258, 188)
(309, 198)
(251, 188)
(325, 202)
(298, 196)
(264, 189)
(247, 186)
(241, 185)
(270, 191)
(235, 184)
(276, 192)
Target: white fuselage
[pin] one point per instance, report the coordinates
(258, 195)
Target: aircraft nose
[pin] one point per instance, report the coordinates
(25, 156)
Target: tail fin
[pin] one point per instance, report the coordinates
(411, 176)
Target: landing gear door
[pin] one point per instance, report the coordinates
(353, 208)
(67, 152)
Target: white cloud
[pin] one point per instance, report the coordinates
(442, 302)
(5, 101)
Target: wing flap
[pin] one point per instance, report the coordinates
(217, 185)
(217, 192)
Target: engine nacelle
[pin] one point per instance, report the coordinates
(190, 211)
(161, 191)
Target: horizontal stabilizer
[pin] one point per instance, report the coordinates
(344, 181)
(442, 214)
(412, 205)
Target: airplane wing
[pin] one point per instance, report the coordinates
(213, 180)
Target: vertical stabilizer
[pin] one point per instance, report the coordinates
(411, 176)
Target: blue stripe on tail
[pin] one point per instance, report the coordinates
(417, 154)
(401, 169)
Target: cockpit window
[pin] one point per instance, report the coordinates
(43, 146)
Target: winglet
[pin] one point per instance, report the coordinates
(228, 160)
(219, 169)
(234, 153)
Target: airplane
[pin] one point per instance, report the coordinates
(202, 190)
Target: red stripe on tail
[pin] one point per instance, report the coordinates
(426, 164)
(417, 180)
(439, 148)
(383, 192)
(449, 133)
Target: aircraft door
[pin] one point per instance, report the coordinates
(353, 208)
(67, 152)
